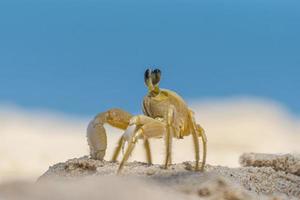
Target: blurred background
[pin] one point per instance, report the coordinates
(235, 62)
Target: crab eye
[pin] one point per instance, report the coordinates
(147, 75)
(156, 74)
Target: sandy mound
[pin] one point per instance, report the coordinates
(261, 177)
(288, 163)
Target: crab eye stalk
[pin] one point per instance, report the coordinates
(148, 80)
(147, 76)
(156, 74)
(152, 79)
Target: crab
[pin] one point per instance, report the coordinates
(166, 115)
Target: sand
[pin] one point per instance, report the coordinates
(262, 176)
(288, 163)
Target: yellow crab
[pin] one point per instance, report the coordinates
(165, 115)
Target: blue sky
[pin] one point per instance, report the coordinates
(82, 57)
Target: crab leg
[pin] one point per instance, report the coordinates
(96, 134)
(118, 149)
(148, 128)
(121, 143)
(148, 151)
(196, 132)
(169, 137)
(196, 145)
(129, 150)
(204, 141)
